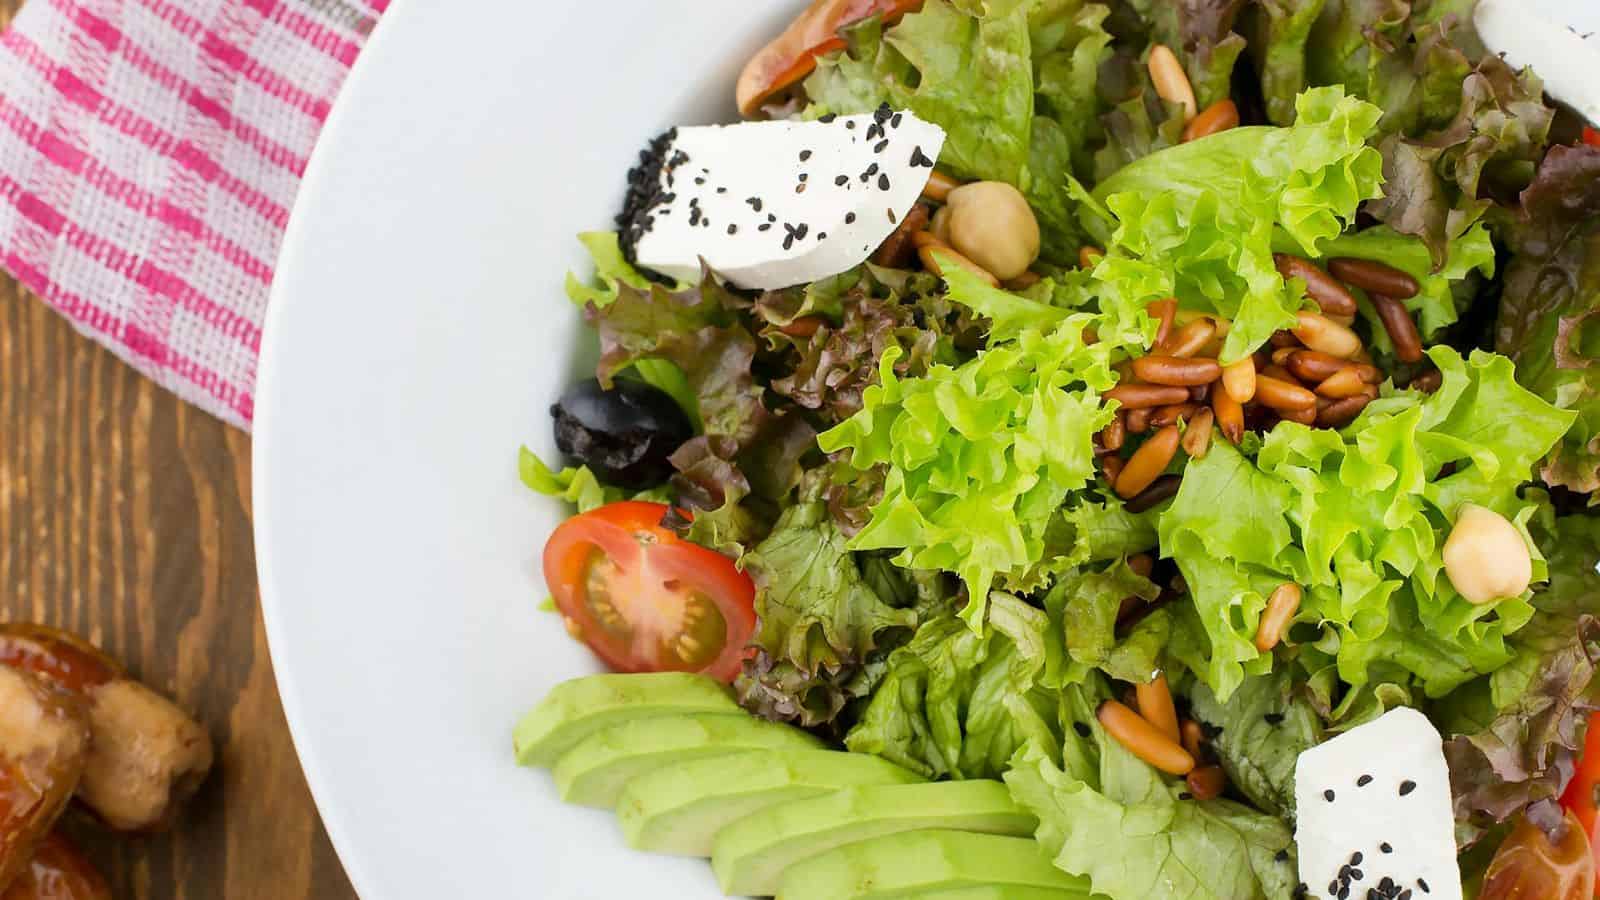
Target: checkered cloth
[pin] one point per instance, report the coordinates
(150, 151)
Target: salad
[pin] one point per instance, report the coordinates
(1143, 449)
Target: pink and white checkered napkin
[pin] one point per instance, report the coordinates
(150, 151)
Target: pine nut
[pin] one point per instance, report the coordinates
(1139, 420)
(1190, 339)
(1214, 119)
(1239, 380)
(1143, 739)
(1282, 395)
(1142, 564)
(1280, 373)
(1281, 607)
(1194, 737)
(927, 248)
(1172, 84)
(1323, 334)
(1334, 298)
(1306, 417)
(1281, 355)
(1148, 462)
(1375, 277)
(1171, 415)
(1023, 282)
(1116, 434)
(1112, 467)
(1206, 782)
(1401, 327)
(1155, 704)
(1428, 381)
(1164, 489)
(1176, 371)
(803, 327)
(1230, 416)
(939, 186)
(1200, 393)
(1283, 338)
(1313, 367)
(1089, 257)
(1197, 440)
(1342, 412)
(1147, 396)
(1346, 382)
(1163, 311)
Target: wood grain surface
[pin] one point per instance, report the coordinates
(125, 516)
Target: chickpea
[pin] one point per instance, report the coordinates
(1485, 556)
(940, 226)
(991, 224)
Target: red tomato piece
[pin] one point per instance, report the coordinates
(1591, 137)
(645, 600)
(793, 54)
(1528, 866)
(1580, 799)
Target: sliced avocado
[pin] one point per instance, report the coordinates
(750, 855)
(679, 809)
(575, 709)
(993, 892)
(593, 772)
(914, 862)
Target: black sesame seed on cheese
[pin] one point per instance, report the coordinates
(755, 203)
(894, 121)
(841, 181)
(764, 226)
(1407, 787)
(800, 188)
(850, 124)
(1363, 781)
(1385, 847)
(805, 177)
(883, 182)
(893, 220)
(1328, 795)
(1422, 883)
(827, 119)
(880, 146)
(805, 155)
(733, 229)
(850, 218)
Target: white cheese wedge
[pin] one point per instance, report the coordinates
(1373, 813)
(774, 204)
(1561, 44)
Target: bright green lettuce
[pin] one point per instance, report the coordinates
(981, 457)
(1358, 518)
(1259, 735)
(1198, 221)
(1107, 815)
(958, 703)
(577, 486)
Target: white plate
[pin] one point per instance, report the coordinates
(418, 332)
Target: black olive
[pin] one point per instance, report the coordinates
(624, 435)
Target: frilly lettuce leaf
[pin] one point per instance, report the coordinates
(1105, 814)
(981, 456)
(958, 703)
(1259, 735)
(1358, 519)
(1550, 301)
(825, 617)
(576, 485)
(1198, 221)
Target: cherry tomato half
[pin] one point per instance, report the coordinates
(1579, 798)
(1591, 137)
(1529, 867)
(645, 600)
(793, 54)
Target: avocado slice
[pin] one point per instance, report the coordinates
(993, 892)
(750, 855)
(575, 709)
(679, 809)
(915, 862)
(594, 772)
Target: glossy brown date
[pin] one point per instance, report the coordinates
(58, 871)
(44, 746)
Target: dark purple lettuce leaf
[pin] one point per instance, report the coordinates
(1550, 298)
(1440, 183)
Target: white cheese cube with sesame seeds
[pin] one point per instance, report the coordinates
(1560, 40)
(1374, 816)
(774, 204)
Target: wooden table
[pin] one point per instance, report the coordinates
(125, 516)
